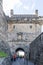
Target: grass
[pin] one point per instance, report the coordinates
(3, 54)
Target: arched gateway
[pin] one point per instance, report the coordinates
(20, 52)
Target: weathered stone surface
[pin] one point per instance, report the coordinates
(5, 61)
(3, 23)
(4, 46)
(36, 50)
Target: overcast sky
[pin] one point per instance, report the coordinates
(23, 6)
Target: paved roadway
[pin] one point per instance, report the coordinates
(21, 61)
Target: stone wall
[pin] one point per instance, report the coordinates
(3, 23)
(15, 45)
(36, 50)
(3, 26)
(3, 30)
(5, 61)
(15, 40)
(5, 47)
(30, 31)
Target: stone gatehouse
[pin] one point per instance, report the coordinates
(19, 30)
(23, 29)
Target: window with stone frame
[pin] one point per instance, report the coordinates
(14, 26)
(30, 26)
(19, 36)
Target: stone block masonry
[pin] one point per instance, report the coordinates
(36, 50)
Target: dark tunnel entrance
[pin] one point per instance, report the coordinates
(20, 52)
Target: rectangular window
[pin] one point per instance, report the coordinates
(30, 26)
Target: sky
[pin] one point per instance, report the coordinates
(23, 6)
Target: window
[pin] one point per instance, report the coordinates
(14, 26)
(30, 26)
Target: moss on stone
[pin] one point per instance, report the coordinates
(3, 54)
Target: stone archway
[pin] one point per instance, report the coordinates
(20, 51)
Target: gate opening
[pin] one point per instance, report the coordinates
(20, 52)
